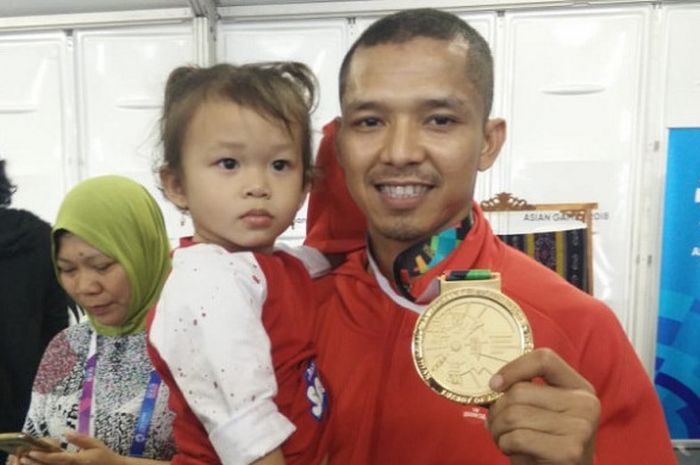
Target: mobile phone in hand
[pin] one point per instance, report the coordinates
(21, 443)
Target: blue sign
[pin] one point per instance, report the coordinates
(677, 376)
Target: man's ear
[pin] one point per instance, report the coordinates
(494, 137)
(173, 188)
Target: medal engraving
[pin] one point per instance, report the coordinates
(464, 337)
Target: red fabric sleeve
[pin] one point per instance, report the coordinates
(334, 224)
(631, 427)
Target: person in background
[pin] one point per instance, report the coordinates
(415, 92)
(96, 391)
(33, 306)
(233, 322)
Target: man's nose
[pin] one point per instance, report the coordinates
(402, 145)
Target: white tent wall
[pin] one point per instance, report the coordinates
(585, 89)
(576, 124)
(85, 101)
(36, 117)
(121, 72)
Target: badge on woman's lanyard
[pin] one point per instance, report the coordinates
(86, 421)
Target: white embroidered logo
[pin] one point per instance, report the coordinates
(315, 391)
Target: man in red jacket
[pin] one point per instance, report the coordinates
(416, 91)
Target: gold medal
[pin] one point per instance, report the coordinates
(466, 335)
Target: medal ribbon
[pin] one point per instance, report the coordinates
(468, 275)
(85, 419)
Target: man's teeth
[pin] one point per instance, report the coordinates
(403, 191)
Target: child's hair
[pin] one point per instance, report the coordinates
(284, 92)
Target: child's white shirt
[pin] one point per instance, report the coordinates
(208, 330)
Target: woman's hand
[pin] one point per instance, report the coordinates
(15, 460)
(92, 452)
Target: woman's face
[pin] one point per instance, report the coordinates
(97, 282)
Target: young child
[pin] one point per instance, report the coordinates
(230, 333)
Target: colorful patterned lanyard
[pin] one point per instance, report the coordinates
(421, 257)
(86, 423)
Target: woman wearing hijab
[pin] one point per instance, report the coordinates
(96, 390)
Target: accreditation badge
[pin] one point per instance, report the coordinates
(467, 334)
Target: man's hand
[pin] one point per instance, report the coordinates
(553, 423)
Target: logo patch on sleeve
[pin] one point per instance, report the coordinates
(315, 392)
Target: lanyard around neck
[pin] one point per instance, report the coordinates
(86, 424)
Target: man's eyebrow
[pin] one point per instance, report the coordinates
(447, 102)
(363, 105)
(427, 103)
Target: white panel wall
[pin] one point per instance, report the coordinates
(81, 105)
(35, 115)
(575, 87)
(683, 56)
(320, 44)
(121, 76)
